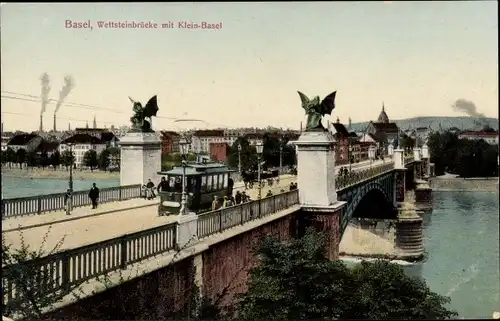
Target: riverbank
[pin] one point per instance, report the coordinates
(457, 184)
(48, 173)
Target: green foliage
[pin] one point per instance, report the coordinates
(55, 159)
(32, 159)
(9, 155)
(67, 158)
(295, 281)
(25, 279)
(44, 159)
(248, 154)
(21, 156)
(168, 161)
(90, 159)
(464, 157)
(103, 160)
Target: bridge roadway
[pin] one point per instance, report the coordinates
(86, 226)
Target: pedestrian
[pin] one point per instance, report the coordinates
(67, 204)
(291, 186)
(244, 197)
(230, 185)
(227, 202)
(215, 203)
(237, 197)
(269, 193)
(150, 186)
(163, 185)
(94, 195)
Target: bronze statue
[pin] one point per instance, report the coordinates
(139, 122)
(316, 110)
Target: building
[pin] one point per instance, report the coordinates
(342, 142)
(219, 152)
(255, 138)
(201, 140)
(491, 137)
(47, 146)
(85, 141)
(170, 142)
(100, 133)
(383, 130)
(29, 142)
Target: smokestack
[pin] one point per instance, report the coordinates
(41, 124)
(55, 128)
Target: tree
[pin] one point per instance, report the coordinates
(67, 158)
(10, 156)
(248, 154)
(32, 159)
(104, 159)
(44, 159)
(90, 159)
(55, 159)
(21, 156)
(295, 281)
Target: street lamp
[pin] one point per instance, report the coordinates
(184, 146)
(281, 158)
(239, 157)
(371, 154)
(260, 149)
(350, 154)
(69, 205)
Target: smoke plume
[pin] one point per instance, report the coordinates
(470, 109)
(66, 89)
(45, 80)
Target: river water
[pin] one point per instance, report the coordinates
(13, 187)
(461, 240)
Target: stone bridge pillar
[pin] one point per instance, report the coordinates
(316, 182)
(399, 179)
(140, 158)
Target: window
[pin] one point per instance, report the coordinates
(209, 183)
(221, 181)
(216, 182)
(226, 179)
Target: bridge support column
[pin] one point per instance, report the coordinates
(187, 230)
(316, 182)
(409, 234)
(399, 179)
(140, 158)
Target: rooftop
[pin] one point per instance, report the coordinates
(21, 139)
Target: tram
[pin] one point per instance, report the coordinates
(203, 182)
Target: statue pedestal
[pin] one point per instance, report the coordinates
(316, 184)
(140, 158)
(187, 230)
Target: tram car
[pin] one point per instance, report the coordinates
(203, 182)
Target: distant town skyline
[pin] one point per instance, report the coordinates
(417, 58)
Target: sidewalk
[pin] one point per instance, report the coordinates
(31, 221)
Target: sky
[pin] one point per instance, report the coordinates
(416, 58)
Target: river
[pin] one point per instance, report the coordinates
(13, 187)
(462, 245)
(461, 240)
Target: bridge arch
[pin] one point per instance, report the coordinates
(379, 192)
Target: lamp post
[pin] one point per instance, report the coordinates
(239, 157)
(184, 145)
(350, 154)
(69, 206)
(260, 149)
(281, 158)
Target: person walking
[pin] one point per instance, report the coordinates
(163, 185)
(94, 195)
(237, 197)
(67, 195)
(215, 203)
(150, 186)
(269, 193)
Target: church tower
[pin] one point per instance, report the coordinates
(382, 118)
(94, 124)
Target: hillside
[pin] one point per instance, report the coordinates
(434, 121)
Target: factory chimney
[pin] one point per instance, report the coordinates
(41, 124)
(55, 128)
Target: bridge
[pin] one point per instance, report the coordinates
(209, 251)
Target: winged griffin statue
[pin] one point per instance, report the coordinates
(141, 120)
(316, 110)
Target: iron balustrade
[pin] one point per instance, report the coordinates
(34, 205)
(358, 176)
(64, 270)
(223, 219)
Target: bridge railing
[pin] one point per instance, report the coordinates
(355, 177)
(64, 270)
(55, 202)
(217, 221)
(409, 158)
